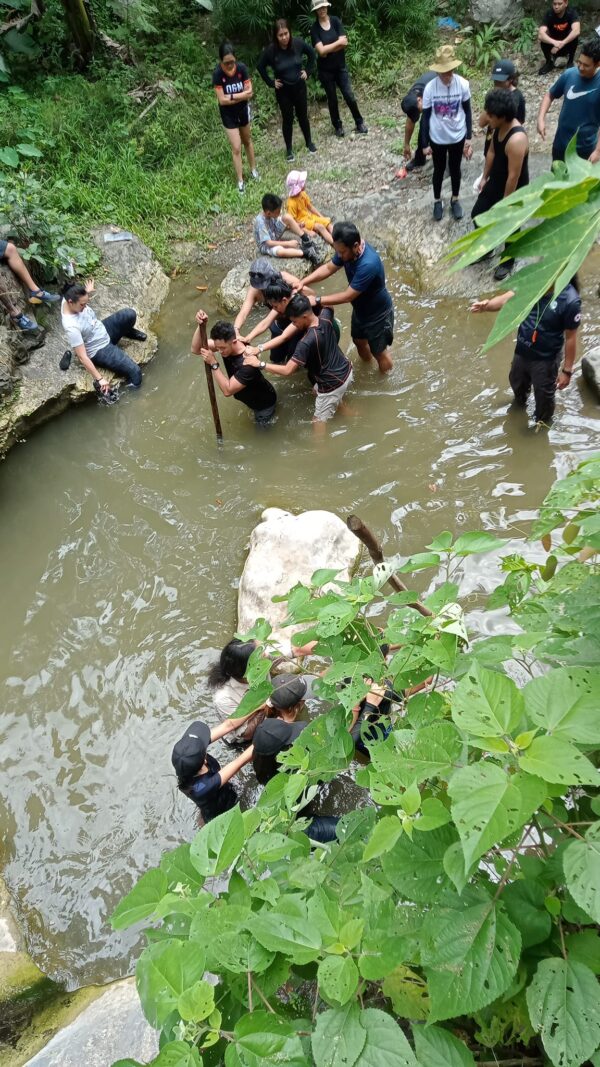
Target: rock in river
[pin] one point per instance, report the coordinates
(232, 289)
(590, 369)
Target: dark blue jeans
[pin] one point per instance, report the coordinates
(331, 80)
(119, 325)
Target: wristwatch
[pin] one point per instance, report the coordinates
(214, 366)
(262, 364)
(261, 348)
(317, 301)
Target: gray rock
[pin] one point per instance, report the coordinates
(503, 12)
(111, 1028)
(590, 370)
(134, 279)
(232, 290)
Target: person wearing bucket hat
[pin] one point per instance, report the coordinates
(504, 76)
(303, 211)
(200, 776)
(329, 40)
(447, 124)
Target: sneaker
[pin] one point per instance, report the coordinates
(502, 271)
(41, 296)
(65, 360)
(23, 322)
(546, 68)
(312, 148)
(241, 187)
(438, 210)
(254, 173)
(411, 165)
(290, 156)
(361, 128)
(339, 131)
(456, 209)
(137, 335)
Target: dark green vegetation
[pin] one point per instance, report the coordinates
(454, 922)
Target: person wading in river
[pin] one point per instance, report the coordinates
(241, 381)
(200, 776)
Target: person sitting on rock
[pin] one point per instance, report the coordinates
(559, 35)
(94, 341)
(200, 776)
(303, 211)
(9, 254)
(269, 227)
(244, 383)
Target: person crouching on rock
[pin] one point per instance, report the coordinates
(200, 776)
(94, 341)
(244, 383)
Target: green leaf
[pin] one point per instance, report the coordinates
(179, 869)
(564, 1008)
(287, 929)
(177, 1054)
(486, 703)
(556, 760)
(584, 947)
(253, 699)
(30, 150)
(338, 1038)
(426, 753)
(420, 562)
(384, 837)
(470, 957)
(262, 1033)
(441, 543)
(323, 576)
(485, 807)
(474, 544)
(415, 868)
(565, 703)
(197, 1002)
(581, 864)
(9, 157)
(433, 815)
(386, 1045)
(524, 903)
(141, 901)
(218, 843)
(338, 979)
(164, 971)
(436, 1047)
(408, 994)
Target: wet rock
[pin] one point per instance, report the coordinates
(232, 289)
(286, 549)
(502, 12)
(134, 278)
(590, 370)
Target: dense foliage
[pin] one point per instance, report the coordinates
(457, 911)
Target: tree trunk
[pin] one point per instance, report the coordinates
(80, 28)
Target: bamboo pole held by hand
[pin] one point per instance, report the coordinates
(211, 387)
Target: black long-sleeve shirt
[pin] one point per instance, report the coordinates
(286, 63)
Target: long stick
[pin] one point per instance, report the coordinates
(211, 387)
(364, 534)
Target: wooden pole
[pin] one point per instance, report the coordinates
(211, 386)
(368, 539)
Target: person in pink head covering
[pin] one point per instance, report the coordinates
(302, 210)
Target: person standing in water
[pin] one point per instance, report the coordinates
(329, 40)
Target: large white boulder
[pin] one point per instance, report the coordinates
(590, 370)
(286, 549)
(503, 12)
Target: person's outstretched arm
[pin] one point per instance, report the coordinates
(494, 303)
(227, 772)
(545, 106)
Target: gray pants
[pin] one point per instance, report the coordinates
(540, 374)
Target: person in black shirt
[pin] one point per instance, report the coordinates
(412, 105)
(200, 776)
(559, 34)
(244, 383)
(319, 354)
(233, 86)
(504, 76)
(329, 40)
(284, 57)
(550, 326)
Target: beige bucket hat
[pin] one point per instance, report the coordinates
(445, 60)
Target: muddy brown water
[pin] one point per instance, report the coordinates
(122, 536)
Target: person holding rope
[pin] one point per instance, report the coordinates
(240, 380)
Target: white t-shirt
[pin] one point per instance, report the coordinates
(448, 122)
(228, 698)
(84, 328)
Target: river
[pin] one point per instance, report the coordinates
(123, 533)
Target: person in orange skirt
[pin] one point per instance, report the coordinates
(302, 210)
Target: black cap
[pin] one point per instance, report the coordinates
(289, 690)
(190, 751)
(502, 70)
(273, 735)
(263, 273)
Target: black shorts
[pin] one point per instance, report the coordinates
(233, 119)
(3, 247)
(378, 331)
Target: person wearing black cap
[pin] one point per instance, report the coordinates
(504, 76)
(412, 106)
(200, 776)
(262, 274)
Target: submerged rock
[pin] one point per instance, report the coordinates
(232, 290)
(286, 549)
(34, 387)
(590, 370)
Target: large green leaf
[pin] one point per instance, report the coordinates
(164, 971)
(177, 1054)
(338, 979)
(141, 901)
(476, 543)
(179, 869)
(386, 1045)
(287, 929)
(485, 806)
(415, 868)
(486, 703)
(581, 863)
(564, 1008)
(425, 753)
(338, 1038)
(584, 947)
(524, 903)
(565, 703)
(470, 955)
(436, 1047)
(197, 1002)
(218, 843)
(408, 994)
(559, 762)
(385, 834)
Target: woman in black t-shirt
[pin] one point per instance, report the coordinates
(233, 87)
(285, 58)
(329, 39)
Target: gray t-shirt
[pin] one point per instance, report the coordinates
(84, 328)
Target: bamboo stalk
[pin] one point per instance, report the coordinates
(368, 539)
(211, 386)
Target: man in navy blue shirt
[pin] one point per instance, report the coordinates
(550, 326)
(580, 112)
(372, 325)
